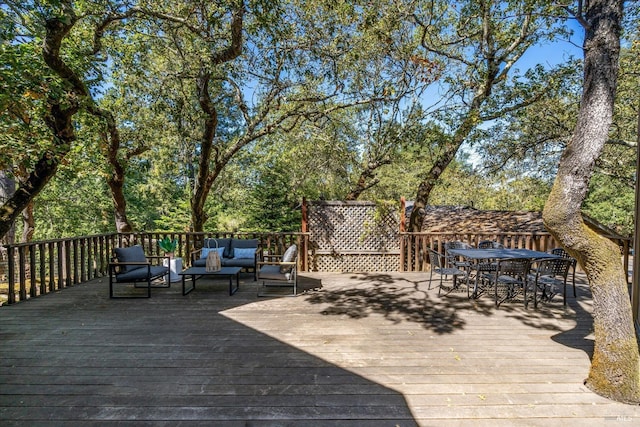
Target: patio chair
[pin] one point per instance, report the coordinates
(490, 244)
(131, 266)
(550, 275)
(452, 260)
(564, 254)
(438, 267)
(279, 271)
(508, 279)
(484, 266)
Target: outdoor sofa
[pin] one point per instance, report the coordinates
(233, 252)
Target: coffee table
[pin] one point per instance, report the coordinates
(197, 272)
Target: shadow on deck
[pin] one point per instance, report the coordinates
(364, 349)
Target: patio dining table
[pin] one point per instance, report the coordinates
(502, 253)
(475, 255)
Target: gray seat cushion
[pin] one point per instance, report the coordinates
(238, 262)
(140, 274)
(272, 272)
(201, 262)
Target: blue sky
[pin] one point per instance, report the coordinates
(556, 52)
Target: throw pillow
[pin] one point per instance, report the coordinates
(220, 243)
(244, 253)
(242, 243)
(205, 252)
(289, 256)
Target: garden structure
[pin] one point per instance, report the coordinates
(368, 348)
(334, 237)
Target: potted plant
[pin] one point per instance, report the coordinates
(168, 246)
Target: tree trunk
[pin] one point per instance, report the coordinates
(7, 189)
(116, 185)
(201, 185)
(367, 178)
(443, 160)
(28, 223)
(58, 117)
(205, 178)
(615, 367)
(116, 180)
(27, 191)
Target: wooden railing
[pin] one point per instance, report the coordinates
(414, 246)
(37, 268)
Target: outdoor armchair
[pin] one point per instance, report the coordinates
(131, 266)
(279, 271)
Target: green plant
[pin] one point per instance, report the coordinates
(168, 245)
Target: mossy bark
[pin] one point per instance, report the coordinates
(615, 367)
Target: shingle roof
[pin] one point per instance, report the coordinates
(467, 219)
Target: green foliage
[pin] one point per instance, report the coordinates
(23, 92)
(167, 244)
(383, 220)
(296, 52)
(273, 204)
(610, 204)
(73, 204)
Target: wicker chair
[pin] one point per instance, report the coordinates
(490, 244)
(486, 266)
(452, 260)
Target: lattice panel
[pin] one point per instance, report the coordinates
(353, 226)
(355, 263)
(353, 237)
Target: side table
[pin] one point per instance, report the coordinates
(175, 267)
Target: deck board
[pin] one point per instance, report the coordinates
(364, 350)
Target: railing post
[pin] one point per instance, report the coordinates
(33, 291)
(74, 262)
(43, 268)
(402, 248)
(83, 260)
(52, 268)
(22, 275)
(11, 274)
(60, 263)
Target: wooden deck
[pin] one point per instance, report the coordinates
(365, 350)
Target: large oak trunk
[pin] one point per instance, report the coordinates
(58, 118)
(615, 367)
